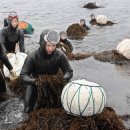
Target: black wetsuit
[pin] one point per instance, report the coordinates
(9, 36)
(5, 60)
(86, 27)
(39, 63)
(5, 22)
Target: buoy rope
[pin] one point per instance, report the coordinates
(67, 99)
(103, 100)
(73, 98)
(84, 84)
(64, 93)
(93, 100)
(79, 101)
(90, 94)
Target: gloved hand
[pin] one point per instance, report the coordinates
(9, 55)
(12, 74)
(66, 78)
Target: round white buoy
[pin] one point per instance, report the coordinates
(101, 19)
(17, 61)
(123, 48)
(83, 98)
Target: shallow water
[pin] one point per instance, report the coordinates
(59, 14)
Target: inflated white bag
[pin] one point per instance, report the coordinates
(17, 61)
(101, 19)
(123, 48)
(83, 98)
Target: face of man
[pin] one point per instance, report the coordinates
(14, 23)
(50, 47)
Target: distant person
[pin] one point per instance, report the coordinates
(64, 42)
(26, 27)
(11, 35)
(83, 24)
(94, 20)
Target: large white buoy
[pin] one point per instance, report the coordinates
(83, 98)
(101, 19)
(123, 48)
(17, 61)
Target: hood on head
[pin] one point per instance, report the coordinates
(50, 36)
(12, 15)
(42, 42)
(83, 20)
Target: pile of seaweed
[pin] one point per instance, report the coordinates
(76, 32)
(49, 90)
(58, 119)
(47, 85)
(16, 87)
(79, 56)
(72, 56)
(111, 56)
(91, 6)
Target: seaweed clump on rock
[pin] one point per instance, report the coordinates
(79, 56)
(76, 32)
(57, 119)
(111, 56)
(91, 5)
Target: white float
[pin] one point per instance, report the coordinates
(17, 61)
(101, 19)
(123, 48)
(83, 98)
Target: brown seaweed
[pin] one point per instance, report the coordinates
(91, 6)
(75, 31)
(58, 119)
(110, 56)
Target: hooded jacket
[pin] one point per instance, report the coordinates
(9, 36)
(39, 63)
(4, 58)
